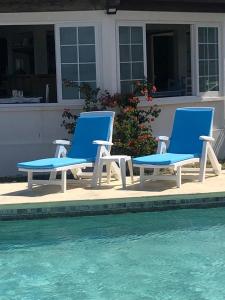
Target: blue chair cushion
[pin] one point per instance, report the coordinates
(162, 159)
(52, 163)
(87, 130)
(189, 124)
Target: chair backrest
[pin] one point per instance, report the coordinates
(189, 124)
(91, 126)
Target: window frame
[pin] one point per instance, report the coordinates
(209, 94)
(98, 51)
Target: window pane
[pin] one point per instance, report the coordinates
(203, 68)
(68, 35)
(137, 53)
(86, 35)
(69, 72)
(92, 84)
(137, 70)
(125, 71)
(213, 51)
(203, 84)
(212, 35)
(87, 53)
(78, 59)
(68, 54)
(213, 83)
(136, 35)
(87, 72)
(124, 35)
(126, 87)
(70, 92)
(213, 67)
(203, 51)
(202, 35)
(125, 53)
(208, 59)
(130, 55)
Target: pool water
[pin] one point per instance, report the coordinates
(175, 255)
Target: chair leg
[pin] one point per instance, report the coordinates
(122, 164)
(131, 170)
(29, 180)
(203, 162)
(142, 176)
(52, 175)
(108, 169)
(96, 173)
(100, 170)
(63, 182)
(178, 177)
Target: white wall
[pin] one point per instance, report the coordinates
(27, 133)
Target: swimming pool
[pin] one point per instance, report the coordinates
(159, 256)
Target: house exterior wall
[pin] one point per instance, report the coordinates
(27, 131)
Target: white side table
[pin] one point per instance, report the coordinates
(121, 160)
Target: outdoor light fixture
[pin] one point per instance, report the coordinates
(111, 7)
(111, 10)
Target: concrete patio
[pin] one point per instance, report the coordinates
(79, 191)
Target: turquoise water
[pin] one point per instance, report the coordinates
(175, 255)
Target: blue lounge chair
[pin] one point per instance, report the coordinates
(92, 139)
(190, 142)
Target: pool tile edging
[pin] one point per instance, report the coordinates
(115, 206)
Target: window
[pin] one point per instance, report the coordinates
(168, 48)
(27, 64)
(131, 56)
(208, 59)
(78, 60)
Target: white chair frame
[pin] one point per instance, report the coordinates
(76, 169)
(207, 153)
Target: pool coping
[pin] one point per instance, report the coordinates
(92, 207)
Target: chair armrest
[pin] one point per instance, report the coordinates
(206, 138)
(105, 143)
(162, 138)
(162, 144)
(61, 142)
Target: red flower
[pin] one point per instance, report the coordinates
(128, 109)
(134, 100)
(149, 98)
(154, 89)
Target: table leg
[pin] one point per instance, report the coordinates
(131, 170)
(123, 171)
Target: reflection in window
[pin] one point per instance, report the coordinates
(208, 59)
(78, 60)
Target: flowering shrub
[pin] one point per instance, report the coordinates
(132, 133)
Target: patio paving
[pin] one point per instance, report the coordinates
(80, 192)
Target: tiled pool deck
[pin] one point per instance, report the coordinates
(16, 202)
